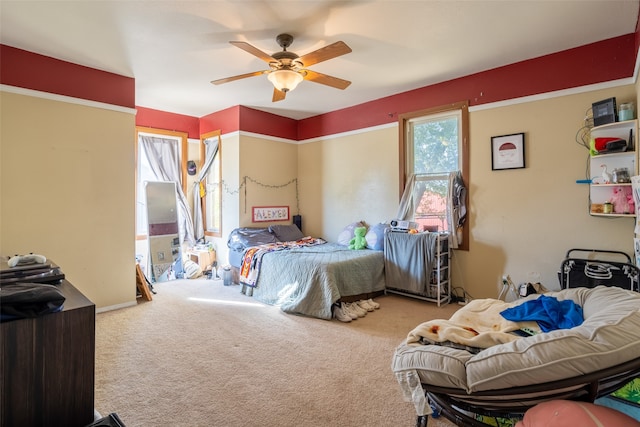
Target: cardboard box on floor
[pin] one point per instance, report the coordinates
(204, 258)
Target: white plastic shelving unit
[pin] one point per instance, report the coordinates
(599, 191)
(433, 286)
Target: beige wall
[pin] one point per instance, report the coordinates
(230, 151)
(67, 185)
(269, 164)
(67, 190)
(522, 221)
(348, 178)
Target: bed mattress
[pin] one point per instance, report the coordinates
(309, 280)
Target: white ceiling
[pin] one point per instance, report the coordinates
(174, 48)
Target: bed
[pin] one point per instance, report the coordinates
(304, 279)
(584, 363)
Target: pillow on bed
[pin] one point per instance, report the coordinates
(242, 238)
(286, 233)
(375, 236)
(347, 233)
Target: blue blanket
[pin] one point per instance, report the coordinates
(550, 313)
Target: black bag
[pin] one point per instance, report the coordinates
(21, 300)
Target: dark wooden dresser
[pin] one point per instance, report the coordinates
(48, 366)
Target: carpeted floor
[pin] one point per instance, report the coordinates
(201, 354)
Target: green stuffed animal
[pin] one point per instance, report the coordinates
(358, 241)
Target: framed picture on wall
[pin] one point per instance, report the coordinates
(270, 213)
(507, 151)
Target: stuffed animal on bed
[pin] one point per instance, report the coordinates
(358, 241)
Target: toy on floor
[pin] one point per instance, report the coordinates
(358, 241)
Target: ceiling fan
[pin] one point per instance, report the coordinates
(286, 69)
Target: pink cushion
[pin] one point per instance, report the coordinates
(564, 413)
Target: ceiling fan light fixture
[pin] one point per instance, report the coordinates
(285, 80)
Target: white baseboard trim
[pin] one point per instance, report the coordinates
(116, 307)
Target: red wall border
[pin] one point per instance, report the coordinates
(603, 61)
(30, 70)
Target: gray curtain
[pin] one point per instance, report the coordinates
(164, 159)
(211, 151)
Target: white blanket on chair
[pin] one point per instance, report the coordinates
(477, 324)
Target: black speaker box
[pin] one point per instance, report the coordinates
(297, 220)
(604, 112)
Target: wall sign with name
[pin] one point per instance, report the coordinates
(270, 213)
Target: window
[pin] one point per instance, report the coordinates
(433, 143)
(144, 172)
(211, 145)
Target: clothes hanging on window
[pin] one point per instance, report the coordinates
(456, 207)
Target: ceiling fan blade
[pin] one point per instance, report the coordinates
(314, 76)
(324, 53)
(278, 95)
(253, 50)
(238, 77)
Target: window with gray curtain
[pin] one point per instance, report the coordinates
(162, 157)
